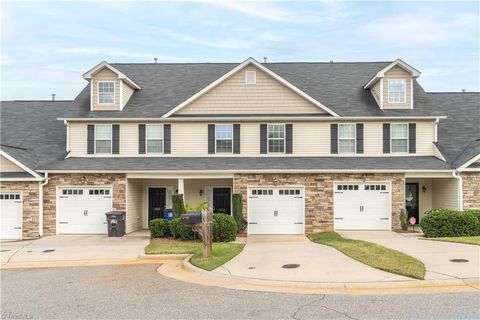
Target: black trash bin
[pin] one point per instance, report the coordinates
(116, 223)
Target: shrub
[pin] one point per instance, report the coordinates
(224, 228)
(177, 205)
(159, 228)
(180, 231)
(237, 205)
(199, 207)
(403, 219)
(449, 223)
(476, 214)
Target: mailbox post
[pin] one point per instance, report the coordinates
(202, 222)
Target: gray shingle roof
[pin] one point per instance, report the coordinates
(248, 163)
(32, 125)
(5, 175)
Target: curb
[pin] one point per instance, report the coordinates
(185, 271)
(163, 256)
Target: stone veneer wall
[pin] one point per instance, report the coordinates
(117, 181)
(30, 205)
(471, 190)
(319, 193)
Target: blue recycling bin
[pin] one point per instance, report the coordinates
(168, 214)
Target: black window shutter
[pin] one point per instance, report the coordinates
(386, 138)
(412, 138)
(141, 139)
(91, 139)
(167, 138)
(236, 138)
(211, 138)
(288, 138)
(359, 137)
(334, 138)
(263, 138)
(116, 139)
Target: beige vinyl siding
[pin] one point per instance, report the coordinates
(8, 166)
(445, 193)
(105, 74)
(309, 139)
(134, 204)
(267, 96)
(376, 92)
(127, 92)
(397, 73)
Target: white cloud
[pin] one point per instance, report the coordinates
(228, 43)
(420, 28)
(120, 53)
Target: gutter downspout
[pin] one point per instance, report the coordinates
(40, 203)
(457, 176)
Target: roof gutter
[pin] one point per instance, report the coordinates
(252, 171)
(255, 119)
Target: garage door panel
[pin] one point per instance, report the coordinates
(362, 206)
(276, 210)
(82, 210)
(11, 215)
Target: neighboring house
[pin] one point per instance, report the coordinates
(310, 146)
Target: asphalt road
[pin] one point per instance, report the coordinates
(128, 292)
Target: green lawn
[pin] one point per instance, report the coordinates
(222, 252)
(465, 240)
(372, 254)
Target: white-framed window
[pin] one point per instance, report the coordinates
(347, 138)
(106, 92)
(224, 138)
(397, 90)
(399, 137)
(154, 138)
(103, 138)
(250, 77)
(276, 138)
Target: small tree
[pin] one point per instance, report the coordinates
(237, 205)
(178, 208)
(403, 219)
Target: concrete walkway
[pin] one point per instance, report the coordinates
(264, 256)
(74, 248)
(436, 255)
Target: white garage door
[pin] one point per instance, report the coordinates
(11, 215)
(82, 210)
(362, 206)
(278, 210)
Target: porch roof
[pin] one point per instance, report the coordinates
(283, 163)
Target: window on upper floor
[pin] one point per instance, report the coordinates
(250, 77)
(399, 137)
(103, 138)
(106, 92)
(276, 138)
(154, 138)
(223, 138)
(397, 91)
(346, 138)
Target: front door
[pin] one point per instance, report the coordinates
(156, 202)
(411, 201)
(222, 200)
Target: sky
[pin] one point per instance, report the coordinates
(46, 46)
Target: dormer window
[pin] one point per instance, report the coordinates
(106, 92)
(250, 77)
(397, 91)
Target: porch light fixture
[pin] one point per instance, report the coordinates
(424, 189)
(200, 192)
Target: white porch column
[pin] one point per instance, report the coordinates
(181, 187)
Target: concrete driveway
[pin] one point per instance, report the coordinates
(74, 248)
(436, 255)
(264, 256)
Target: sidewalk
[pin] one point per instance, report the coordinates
(69, 248)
